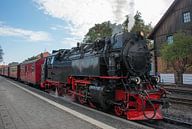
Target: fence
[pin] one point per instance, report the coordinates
(170, 78)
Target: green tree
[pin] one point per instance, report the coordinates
(1, 54)
(140, 25)
(98, 31)
(31, 58)
(178, 54)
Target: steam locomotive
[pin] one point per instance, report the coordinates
(110, 73)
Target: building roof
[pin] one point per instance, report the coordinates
(162, 19)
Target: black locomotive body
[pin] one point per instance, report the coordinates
(109, 73)
(123, 55)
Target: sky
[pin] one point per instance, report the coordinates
(29, 27)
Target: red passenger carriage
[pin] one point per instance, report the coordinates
(1, 70)
(30, 71)
(14, 71)
(5, 71)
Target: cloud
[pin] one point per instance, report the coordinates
(58, 27)
(152, 10)
(29, 35)
(83, 14)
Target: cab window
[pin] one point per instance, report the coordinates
(52, 59)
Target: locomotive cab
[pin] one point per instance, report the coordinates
(56, 67)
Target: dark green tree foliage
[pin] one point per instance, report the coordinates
(98, 31)
(178, 54)
(106, 29)
(1, 54)
(139, 25)
(31, 58)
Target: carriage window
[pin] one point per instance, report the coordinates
(32, 68)
(25, 68)
(22, 68)
(186, 17)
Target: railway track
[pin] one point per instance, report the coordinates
(184, 101)
(177, 122)
(180, 95)
(167, 123)
(180, 90)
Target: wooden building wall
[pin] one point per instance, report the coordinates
(172, 23)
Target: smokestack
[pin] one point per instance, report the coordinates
(116, 28)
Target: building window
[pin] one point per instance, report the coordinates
(170, 39)
(186, 17)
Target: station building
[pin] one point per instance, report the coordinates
(178, 18)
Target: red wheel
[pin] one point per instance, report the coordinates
(60, 91)
(91, 104)
(80, 98)
(118, 110)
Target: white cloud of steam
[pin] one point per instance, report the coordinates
(29, 35)
(121, 8)
(83, 14)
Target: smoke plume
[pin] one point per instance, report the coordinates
(121, 8)
(131, 14)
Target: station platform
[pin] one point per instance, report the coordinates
(20, 109)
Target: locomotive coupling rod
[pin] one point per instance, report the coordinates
(111, 102)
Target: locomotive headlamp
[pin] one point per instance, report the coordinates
(136, 80)
(157, 79)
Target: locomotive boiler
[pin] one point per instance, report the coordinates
(110, 74)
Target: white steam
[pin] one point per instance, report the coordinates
(83, 14)
(121, 8)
